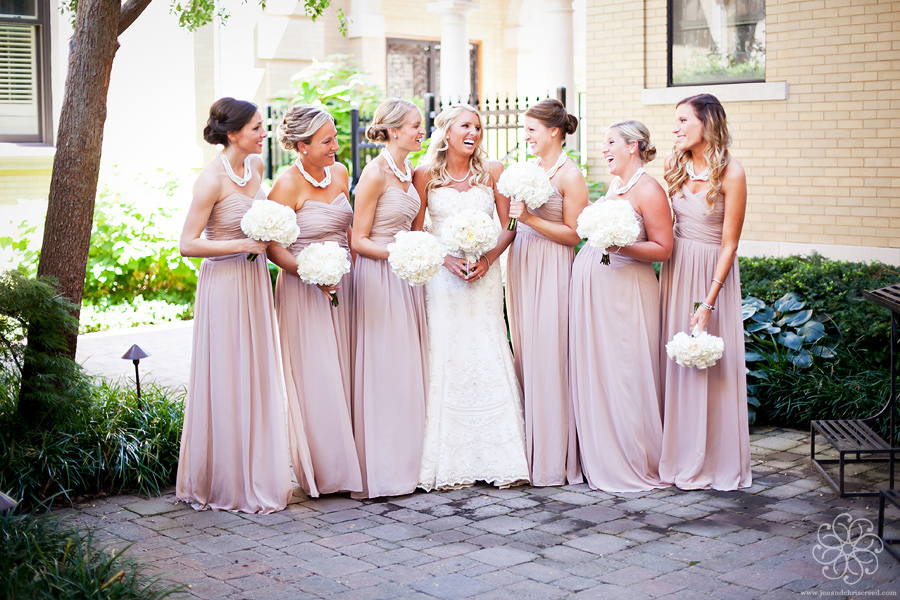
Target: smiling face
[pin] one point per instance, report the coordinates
(251, 136)
(539, 137)
(410, 134)
(320, 150)
(688, 130)
(618, 153)
(464, 134)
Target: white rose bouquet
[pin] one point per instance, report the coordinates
(700, 349)
(415, 256)
(526, 182)
(608, 223)
(471, 232)
(269, 221)
(323, 263)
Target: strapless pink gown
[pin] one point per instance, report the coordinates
(234, 448)
(537, 306)
(315, 348)
(390, 360)
(706, 439)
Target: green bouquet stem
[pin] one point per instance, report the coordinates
(511, 226)
(251, 257)
(334, 298)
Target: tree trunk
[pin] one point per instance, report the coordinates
(73, 186)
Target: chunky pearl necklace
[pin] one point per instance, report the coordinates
(704, 176)
(248, 172)
(615, 190)
(319, 184)
(390, 161)
(465, 177)
(559, 163)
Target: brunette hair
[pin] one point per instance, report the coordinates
(388, 115)
(552, 113)
(227, 115)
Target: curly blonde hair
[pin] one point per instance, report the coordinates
(715, 133)
(479, 169)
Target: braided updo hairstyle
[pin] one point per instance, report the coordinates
(227, 115)
(635, 131)
(388, 115)
(300, 124)
(552, 113)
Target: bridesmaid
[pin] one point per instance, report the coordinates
(706, 439)
(315, 337)
(234, 445)
(614, 329)
(390, 361)
(537, 298)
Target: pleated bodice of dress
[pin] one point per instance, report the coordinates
(693, 219)
(552, 210)
(225, 217)
(321, 222)
(394, 212)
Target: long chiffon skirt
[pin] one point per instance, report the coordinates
(390, 379)
(234, 449)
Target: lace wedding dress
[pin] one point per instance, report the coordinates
(474, 429)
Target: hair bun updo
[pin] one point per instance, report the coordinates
(227, 115)
(552, 113)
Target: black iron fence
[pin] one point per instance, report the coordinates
(502, 120)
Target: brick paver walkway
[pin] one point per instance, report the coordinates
(540, 543)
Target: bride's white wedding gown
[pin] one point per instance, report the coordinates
(474, 429)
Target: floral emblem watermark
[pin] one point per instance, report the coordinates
(847, 548)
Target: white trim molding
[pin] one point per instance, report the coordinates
(727, 92)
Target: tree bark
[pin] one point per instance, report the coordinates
(73, 185)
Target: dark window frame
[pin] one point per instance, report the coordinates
(41, 24)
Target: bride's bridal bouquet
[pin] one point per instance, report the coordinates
(269, 221)
(471, 232)
(608, 223)
(323, 263)
(415, 256)
(700, 349)
(527, 183)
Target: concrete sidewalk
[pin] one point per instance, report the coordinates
(490, 544)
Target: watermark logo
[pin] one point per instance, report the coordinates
(847, 549)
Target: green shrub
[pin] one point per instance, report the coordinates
(43, 559)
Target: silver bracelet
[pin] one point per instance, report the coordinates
(717, 281)
(707, 306)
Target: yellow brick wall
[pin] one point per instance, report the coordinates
(823, 166)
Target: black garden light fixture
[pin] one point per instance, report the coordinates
(135, 354)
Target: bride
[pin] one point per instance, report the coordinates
(474, 428)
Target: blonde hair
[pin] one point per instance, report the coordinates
(635, 131)
(480, 174)
(300, 124)
(715, 133)
(389, 115)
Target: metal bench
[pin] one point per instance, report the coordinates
(892, 496)
(855, 441)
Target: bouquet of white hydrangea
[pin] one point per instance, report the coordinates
(700, 349)
(527, 183)
(269, 221)
(471, 232)
(415, 256)
(608, 223)
(323, 263)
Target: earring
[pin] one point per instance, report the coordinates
(395, 137)
(304, 152)
(552, 135)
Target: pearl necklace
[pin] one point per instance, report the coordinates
(319, 184)
(615, 190)
(704, 176)
(248, 172)
(465, 177)
(559, 163)
(390, 161)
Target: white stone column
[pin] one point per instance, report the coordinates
(559, 39)
(367, 40)
(455, 74)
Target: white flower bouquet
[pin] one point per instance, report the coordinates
(269, 221)
(608, 223)
(323, 263)
(526, 182)
(700, 349)
(471, 232)
(415, 256)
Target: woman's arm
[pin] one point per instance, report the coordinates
(370, 187)
(734, 187)
(574, 191)
(654, 209)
